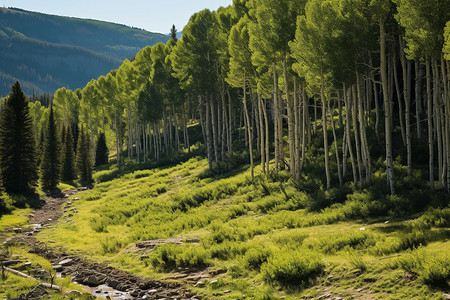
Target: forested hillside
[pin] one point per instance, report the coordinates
(280, 149)
(45, 52)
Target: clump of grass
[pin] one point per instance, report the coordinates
(228, 250)
(256, 256)
(357, 261)
(169, 257)
(292, 269)
(431, 269)
(110, 245)
(290, 238)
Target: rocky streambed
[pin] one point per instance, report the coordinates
(102, 280)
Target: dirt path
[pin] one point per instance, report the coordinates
(105, 281)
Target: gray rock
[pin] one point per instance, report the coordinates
(58, 268)
(92, 281)
(66, 262)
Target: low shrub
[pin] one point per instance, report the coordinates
(110, 245)
(292, 269)
(228, 250)
(168, 257)
(431, 269)
(256, 256)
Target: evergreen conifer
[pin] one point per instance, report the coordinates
(51, 163)
(84, 157)
(68, 169)
(18, 164)
(101, 151)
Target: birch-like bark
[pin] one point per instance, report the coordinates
(418, 96)
(406, 69)
(250, 146)
(324, 129)
(336, 146)
(261, 134)
(387, 108)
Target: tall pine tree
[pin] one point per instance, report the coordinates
(18, 166)
(101, 151)
(68, 167)
(51, 163)
(84, 157)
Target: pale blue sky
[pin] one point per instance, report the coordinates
(151, 15)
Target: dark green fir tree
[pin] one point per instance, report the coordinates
(101, 150)
(18, 164)
(84, 157)
(51, 160)
(68, 169)
(173, 33)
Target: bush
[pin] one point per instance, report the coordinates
(110, 245)
(168, 257)
(292, 269)
(255, 257)
(228, 250)
(431, 269)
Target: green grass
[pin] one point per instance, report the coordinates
(265, 234)
(16, 219)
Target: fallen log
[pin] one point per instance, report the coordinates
(44, 284)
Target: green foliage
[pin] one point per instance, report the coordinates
(256, 256)
(431, 268)
(101, 150)
(51, 157)
(170, 256)
(424, 23)
(68, 167)
(84, 157)
(18, 166)
(292, 269)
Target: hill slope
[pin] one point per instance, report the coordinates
(46, 52)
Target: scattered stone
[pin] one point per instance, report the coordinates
(217, 272)
(66, 262)
(360, 290)
(92, 281)
(324, 296)
(49, 220)
(362, 228)
(51, 242)
(17, 230)
(37, 293)
(226, 292)
(58, 268)
(112, 283)
(446, 296)
(73, 293)
(27, 264)
(387, 222)
(200, 283)
(75, 199)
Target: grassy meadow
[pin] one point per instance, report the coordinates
(266, 239)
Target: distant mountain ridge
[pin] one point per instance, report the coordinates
(45, 52)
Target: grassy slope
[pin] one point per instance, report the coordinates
(260, 233)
